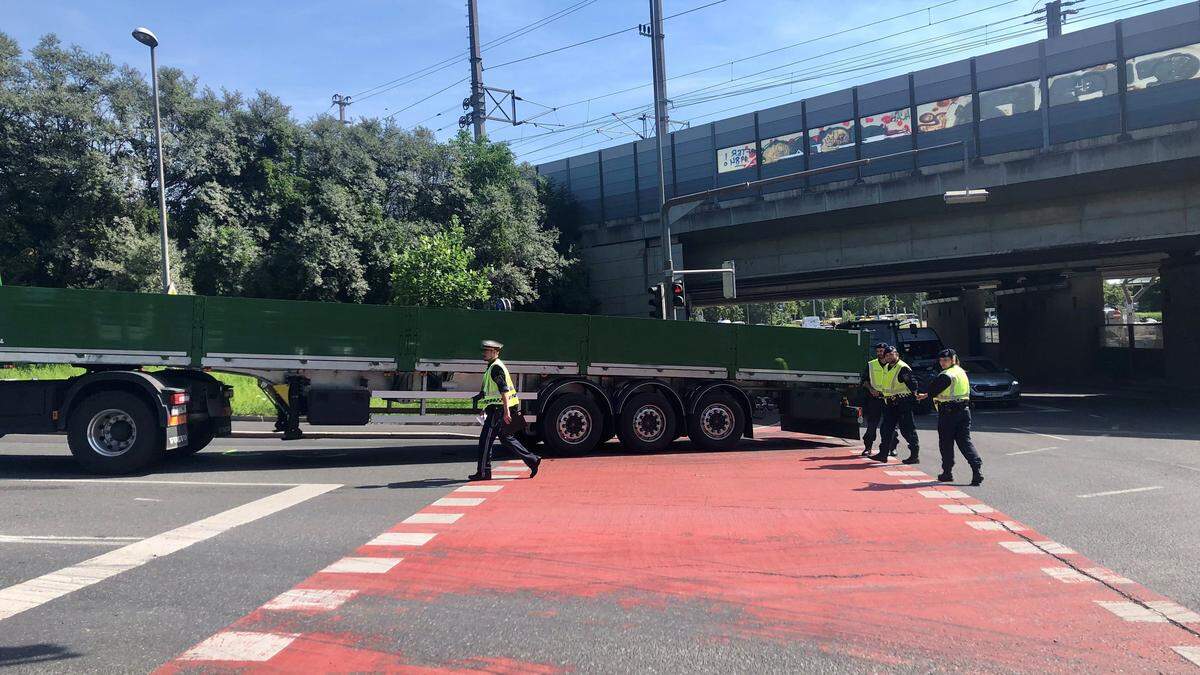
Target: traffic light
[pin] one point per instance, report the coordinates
(658, 305)
(677, 299)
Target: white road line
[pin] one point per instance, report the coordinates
(432, 518)
(997, 526)
(458, 501)
(1120, 492)
(130, 481)
(1189, 652)
(915, 481)
(943, 494)
(1028, 547)
(1029, 452)
(36, 592)
(1068, 575)
(358, 565)
(1038, 433)
(1108, 576)
(318, 599)
(1156, 611)
(479, 488)
(907, 473)
(402, 539)
(968, 508)
(66, 541)
(145, 499)
(239, 646)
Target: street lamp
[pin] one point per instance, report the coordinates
(148, 38)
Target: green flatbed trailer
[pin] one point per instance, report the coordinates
(148, 392)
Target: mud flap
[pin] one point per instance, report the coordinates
(822, 412)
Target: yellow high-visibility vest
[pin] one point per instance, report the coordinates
(891, 385)
(491, 392)
(875, 372)
(960, 386)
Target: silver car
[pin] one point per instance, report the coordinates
(991, 382)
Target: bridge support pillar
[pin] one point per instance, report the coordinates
(1050, 328)
(1180, 279)
(958, 322)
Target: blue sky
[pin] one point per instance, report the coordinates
(304, 51)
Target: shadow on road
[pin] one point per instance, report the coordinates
(40, 653)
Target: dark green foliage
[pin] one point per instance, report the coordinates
(258, 203)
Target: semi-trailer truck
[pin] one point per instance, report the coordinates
(147, 391)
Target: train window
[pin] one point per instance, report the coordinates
(882, 126)
(1011, 100)
(1165, 67)
(946, 113)
(1086, 84)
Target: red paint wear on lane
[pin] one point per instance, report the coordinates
(815, 546)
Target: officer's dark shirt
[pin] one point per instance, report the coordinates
(939, 384)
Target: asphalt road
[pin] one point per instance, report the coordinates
(1115, 479)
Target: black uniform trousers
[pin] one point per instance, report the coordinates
(898, 413)
(954, 426)
(872, 413)
(493, 430)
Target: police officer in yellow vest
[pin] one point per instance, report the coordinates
(871, 378)
(502, 414)
(897, 386)
(951, 392)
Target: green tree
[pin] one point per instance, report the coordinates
(436, 271)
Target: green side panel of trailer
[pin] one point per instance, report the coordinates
(527, 336)
(296, 328)
(656, 342)
(64, 318)
(799, 349)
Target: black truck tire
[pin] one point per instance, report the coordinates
(200, 434)
(647, 423)
(572, 424)
(115, 432)
(718, 423)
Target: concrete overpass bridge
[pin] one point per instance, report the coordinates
(1092, 170)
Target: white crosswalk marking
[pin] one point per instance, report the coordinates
(458, 501)
(944, 494)
(1191, 653)
(1107, 576)
(1068, 575)
(324, 599)
(479, 488)
(402, 539)
(968, 508)
(993, 525)
(432, 518)
(1037, 547)
(357, 565)
(239, 646)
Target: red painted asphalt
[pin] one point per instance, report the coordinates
(810, 546)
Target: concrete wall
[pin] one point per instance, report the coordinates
(620, 273)
(1050, 331)
(958, 323)
(1180, 278)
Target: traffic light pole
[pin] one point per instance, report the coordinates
(668, 204)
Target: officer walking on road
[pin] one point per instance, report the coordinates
(951, 392)
(502, 414)
(871, 379)
(897, 386)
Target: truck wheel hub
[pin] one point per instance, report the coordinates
(717, 421)
(574, 424)
(649, 424)
(111, 433)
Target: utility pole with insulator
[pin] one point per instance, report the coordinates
(1055, 16)
(341, 102)
(662, 127)
(476, 101)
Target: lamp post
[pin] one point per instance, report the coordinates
(148, 38)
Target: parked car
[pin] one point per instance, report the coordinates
(990, 381)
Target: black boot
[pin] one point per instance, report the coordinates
(945, 477)
(913, 458)
(533, 468)
(881, 457)
(866, 451)
(480, 475)
(976, 476)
